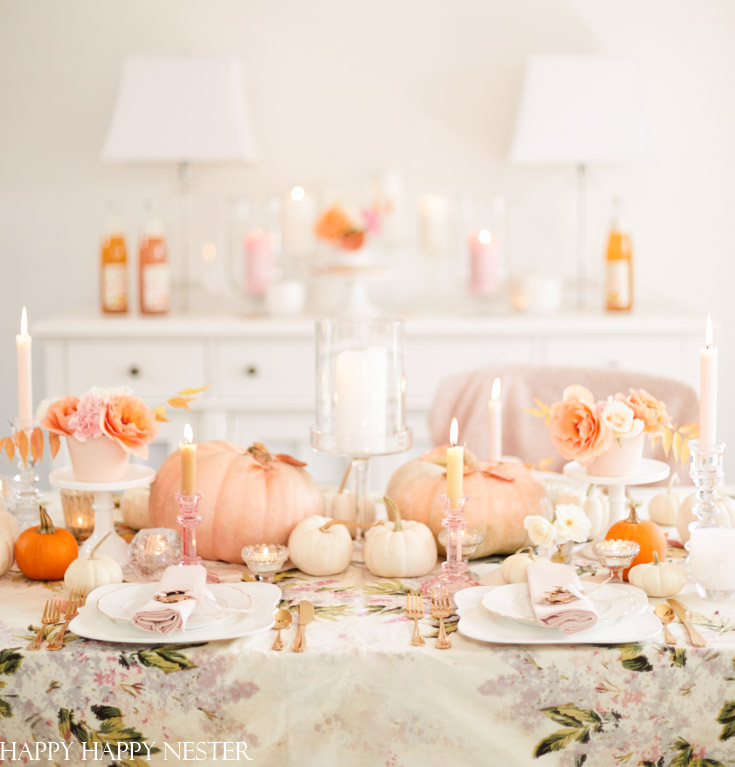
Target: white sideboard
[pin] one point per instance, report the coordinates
(261, 371)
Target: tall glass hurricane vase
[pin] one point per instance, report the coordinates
(360, 396)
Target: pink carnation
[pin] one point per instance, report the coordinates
(86, 423)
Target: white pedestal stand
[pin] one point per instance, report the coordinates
(650, 471)
(137, 476)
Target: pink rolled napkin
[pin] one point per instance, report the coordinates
(180, 591)
(546, 578)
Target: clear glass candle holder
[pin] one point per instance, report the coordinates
(78, 512)
(711, 563)
(264, 560)
(152, 550)
(472, 537)
(617, 555)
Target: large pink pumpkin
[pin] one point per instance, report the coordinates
(496, 505)
(248, 496)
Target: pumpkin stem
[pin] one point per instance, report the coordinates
(591, 489)
(47, 526)
(346, 523)
(656, 560)
(393, 509)
(260, 452)
(526, 550)
(344, 477)
(103, 539)
(633, 516)
(673, 481)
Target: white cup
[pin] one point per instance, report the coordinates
(712, 561)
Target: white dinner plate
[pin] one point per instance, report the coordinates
(610, 601)
(92, 624)
(122, 603)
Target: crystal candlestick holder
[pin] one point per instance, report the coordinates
(264, 560)
(25, 497)
(706, 472)
(189, 519)
(455, 574)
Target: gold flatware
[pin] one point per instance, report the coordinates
(306, 615)
(415, 612)
(682, 613)
(283, 621)
(440, 609)
(51, 614)
(666, 615)
(72, 610)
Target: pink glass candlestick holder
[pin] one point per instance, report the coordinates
(189, 519)
(455, 573)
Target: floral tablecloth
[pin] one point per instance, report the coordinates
(361, 695)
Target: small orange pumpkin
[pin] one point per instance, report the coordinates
(645, 533)
(44, 552)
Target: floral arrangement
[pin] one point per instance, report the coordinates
(570, 524)
(341, 229)
(581, 428)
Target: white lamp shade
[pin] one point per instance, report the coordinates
(579, 110)
(179, 109)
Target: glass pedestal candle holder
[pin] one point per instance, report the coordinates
(360, 397)
(455, 573)
(706, 473)
(264, 560)
(189, 519)
(24, 497)
(617, 555)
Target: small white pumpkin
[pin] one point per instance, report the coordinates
(663, 509)
(596, 507)
(658, 579)
(725, 515)
(9, 531)
(85, 574)
(399, 548)
(318, 551)
(134, 508)
(514, 568)
(9, 522)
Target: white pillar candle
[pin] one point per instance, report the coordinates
(297, 223)
(433, 225)
(708, 389)
(455, 464)
(25, 375)
(362, 398)
(495, 423)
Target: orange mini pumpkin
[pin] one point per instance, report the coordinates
(44, 552)
(248, 496)
(645, 533)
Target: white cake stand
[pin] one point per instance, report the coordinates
(650, 471)
(137, 475)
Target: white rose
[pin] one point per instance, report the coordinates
(540, 530)
(571, 524)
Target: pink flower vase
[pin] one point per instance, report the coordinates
(621, 459)
(98, 459)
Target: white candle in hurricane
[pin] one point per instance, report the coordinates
(455, 464)
(495, 423)
(708, 389)
(297, 224)
(361, 399)
(25, 375)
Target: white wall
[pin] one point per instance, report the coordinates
(339, 89)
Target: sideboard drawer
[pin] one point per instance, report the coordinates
(149, 368)
(266, 370)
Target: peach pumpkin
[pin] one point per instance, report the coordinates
(248, 496)
(499, 498)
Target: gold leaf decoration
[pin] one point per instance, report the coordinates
(54, 443)
(189, 392)
(21, 442)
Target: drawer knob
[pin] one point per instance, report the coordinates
(251, 370)
(134, 371)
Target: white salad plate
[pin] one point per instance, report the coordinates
(91, 623)
(609, 600)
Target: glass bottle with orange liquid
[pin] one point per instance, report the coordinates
(618, 265)
(154, 276)
(113, 267)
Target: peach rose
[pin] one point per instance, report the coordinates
(58, 415)
(649, 409)
(131, 423)
(577, 431)
(333, 224)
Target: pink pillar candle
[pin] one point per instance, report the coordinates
(258, 262)
(483, 250)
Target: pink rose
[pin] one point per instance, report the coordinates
(58, 415)
(577, 430)
(649, 409)
(131, 423)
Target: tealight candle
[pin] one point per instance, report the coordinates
(264, 560)
(455, 464)
(188, 452)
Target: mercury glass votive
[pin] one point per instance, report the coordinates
(78, 512)
(153, 550)
(617, 555)
(264, 560)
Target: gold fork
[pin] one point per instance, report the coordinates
(415, 612)
(51, 614)
(72, 610)
(440, 609)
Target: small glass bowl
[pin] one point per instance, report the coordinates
(617, 555)
(264, 560)
(472, 537)
(153, 550)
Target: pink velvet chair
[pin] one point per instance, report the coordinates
(466, 395)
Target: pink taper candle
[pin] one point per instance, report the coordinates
(495, 423)
(188, 452)
(455, 464)
(708, 389)
(25, 376)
